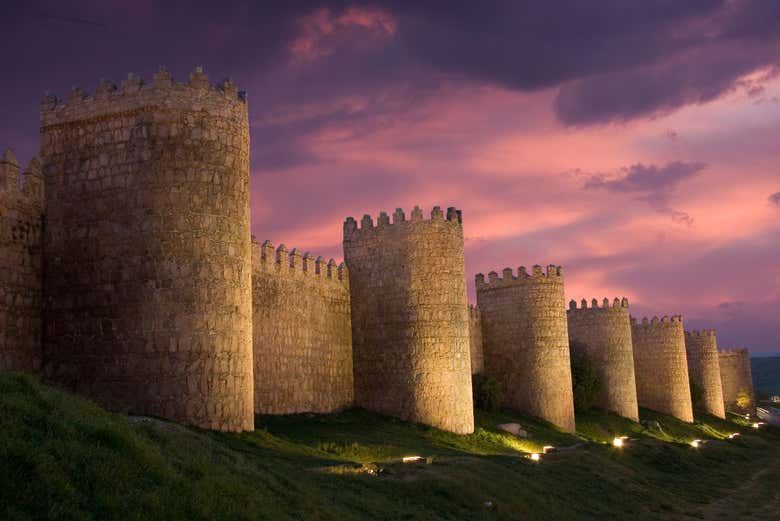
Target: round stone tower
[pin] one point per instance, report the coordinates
(526, 343)
(736, 376)
(661, 366)
(604, 334)
(147, 245)
(704, 369)
(410, 317)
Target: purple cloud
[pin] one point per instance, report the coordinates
(775, 198)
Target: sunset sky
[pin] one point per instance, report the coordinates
(637, 144)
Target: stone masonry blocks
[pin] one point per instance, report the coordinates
(661, 366)
(302, 333)
(605, 334)
(148, 280)
(736, 375)
(526, 341)
(701, 348)
(410, 318)
(475, 341)
(21, 232)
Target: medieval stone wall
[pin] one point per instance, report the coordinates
(661, 366)
(701, 348)
(148, 255)
(410, 318)
(526, 341)
(475, 340)
(604, 333)
(21, 232)
(302, 333)
(736, 376)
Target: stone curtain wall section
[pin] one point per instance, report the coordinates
(701, 348)
(475, 341)
(526, 341)
(410, 317)
(661, 366)
(302, 333)
(736, 375)
(605, 333)
(21, 231)
(148, 277)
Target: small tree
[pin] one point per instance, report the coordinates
(697, 394)
(744, 401)
(487, 392)
(586, 382)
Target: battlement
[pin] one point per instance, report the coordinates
(616, 304)
(702, 333)
(735, 352)
(21, 186)
(474, 312)
(522, 277)
(453, 216)
(134, 93)
(292, 263)
(655, 321)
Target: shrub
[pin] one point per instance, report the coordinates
(586, 383)
(487, 392)
(697, 394)
(744, 401)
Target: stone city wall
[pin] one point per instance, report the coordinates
(21, 232)
(475, 340)
(410, 318)
(701, 348)
(604, 333)
(526, 341)
(661, 366)
(302, 332)
(736, 376)
(148, 280)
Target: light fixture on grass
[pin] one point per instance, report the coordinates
(696, 444)
(535, 456)
(411, 459)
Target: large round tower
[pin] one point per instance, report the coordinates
(148, 257)
(701, 348)
(661, 366)
(526, 341)
(410, 317)
(604, 334)
(736, 377)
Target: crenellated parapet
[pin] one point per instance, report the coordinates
(602, 331)
(21, 187)
(134, 93)
(510, 278)
(651, 322)
(367, 226)
(617, 303)
(292, 264)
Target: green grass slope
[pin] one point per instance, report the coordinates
(62, 457)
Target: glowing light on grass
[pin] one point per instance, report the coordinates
(411, 459)
(535, 456)
(548, 449)
(696, 444)
(733, 435)
(617, 442)
(758, 425)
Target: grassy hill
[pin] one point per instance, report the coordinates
(766, 375)
(62, 457)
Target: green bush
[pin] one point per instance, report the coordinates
(697, 394)
(487, 392)
(586, 383)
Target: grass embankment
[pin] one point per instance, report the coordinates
(62, 457)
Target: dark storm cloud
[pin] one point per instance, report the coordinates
(775, 198)
(651, 182)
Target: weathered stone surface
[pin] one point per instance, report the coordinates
(701, 348)
(148, 263)
(661, 366)
(475, 340)
(410, 318)
(736, 376)
(21, 232)
(526, 341)
(605, 333)
(302, 333)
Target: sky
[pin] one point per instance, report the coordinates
(633, 142)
